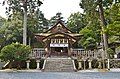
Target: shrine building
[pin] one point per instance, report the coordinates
(58, 50)
(58, 40)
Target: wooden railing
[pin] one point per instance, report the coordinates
(37, 53)
(86, 53)
(40, 52)
(114, 63)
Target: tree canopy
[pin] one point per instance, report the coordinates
(25, 7)
(55, 18)
(92, 23)
(12, 30)
(76, 22)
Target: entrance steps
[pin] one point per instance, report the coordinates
(59, 65)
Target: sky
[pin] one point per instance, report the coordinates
(51, 7)
(2, 9)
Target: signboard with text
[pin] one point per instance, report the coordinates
(58, 45)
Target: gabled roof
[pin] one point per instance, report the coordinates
(60, 34)
(59, 30)
(60, 25)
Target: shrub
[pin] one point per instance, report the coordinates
(110, 53)
(15, 51)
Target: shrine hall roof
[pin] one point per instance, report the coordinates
(58, 28)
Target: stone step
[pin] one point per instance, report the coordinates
(59, 64)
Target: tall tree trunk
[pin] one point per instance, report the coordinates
(25, 23)
(105, 41)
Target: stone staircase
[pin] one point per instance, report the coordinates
(59, 65)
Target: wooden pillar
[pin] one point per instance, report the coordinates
(63, 41)
(28, 64)
(49, 51)
(59, 41)
(69, 51)
(55, 40)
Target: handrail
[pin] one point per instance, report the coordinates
(6, 64)
(74, 65)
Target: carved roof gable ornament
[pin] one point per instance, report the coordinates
(59, 27)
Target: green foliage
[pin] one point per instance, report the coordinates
(110, 53)
(89, 7)
(25, 7)
(113, 39)
(13, 27)
(114, 12)
(113, 17)
(118, 48)
(88, 40)
(93, 16)
(2, 23)
(18, 5)
(15, 51)
(41, 24)
(54, 19)
(76, 22)
(114, 28)
(114, 20)
(92, 31)
(37, 23)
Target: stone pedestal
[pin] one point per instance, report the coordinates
(108, 64)
(28, 64)
(90, 64)
(100, 64)
(84, 64)
(79, 64)
(38, 64)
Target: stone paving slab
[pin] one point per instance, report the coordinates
(35, 70)
(59, 75)
(15, 70)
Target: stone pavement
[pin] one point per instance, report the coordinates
(35, 70)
